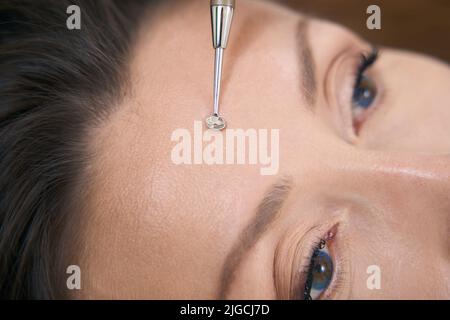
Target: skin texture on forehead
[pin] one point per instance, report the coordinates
(174, 211)
(157, 230)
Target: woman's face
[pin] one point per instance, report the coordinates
(363, 182)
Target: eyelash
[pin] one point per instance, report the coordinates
(366, 62)
(307, 269)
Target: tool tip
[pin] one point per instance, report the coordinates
(215, 122)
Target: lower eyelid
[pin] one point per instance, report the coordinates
(339, 286)
(330, 239)
(336, 279)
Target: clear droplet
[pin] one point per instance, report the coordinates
(215, 122)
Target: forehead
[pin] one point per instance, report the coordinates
(192, 207)
(172, 90)
(172, 69)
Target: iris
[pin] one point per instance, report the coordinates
(322, 271)
(364, 93)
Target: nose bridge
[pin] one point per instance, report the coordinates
(431, 171)
(426, 168)
(400, 187)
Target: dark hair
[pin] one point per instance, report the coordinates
(55, 84)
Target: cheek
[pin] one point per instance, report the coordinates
(403, 257)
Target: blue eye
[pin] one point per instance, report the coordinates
(364, 93)
(320, 273)
(365, 90)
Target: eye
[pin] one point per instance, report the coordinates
(365, 90)
(320, 273)
(364, 93)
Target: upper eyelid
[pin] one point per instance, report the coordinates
(300, 248)
(299, 238)
(344, 52)
(289, 250)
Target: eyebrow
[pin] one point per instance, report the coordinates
(266, 213)
(308, 76)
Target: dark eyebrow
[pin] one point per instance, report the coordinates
(266, 213)
(308, 76)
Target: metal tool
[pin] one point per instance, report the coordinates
(221, 19)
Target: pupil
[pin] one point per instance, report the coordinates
(364, 93)
(322, 271)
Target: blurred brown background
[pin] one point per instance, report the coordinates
(418, 25)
